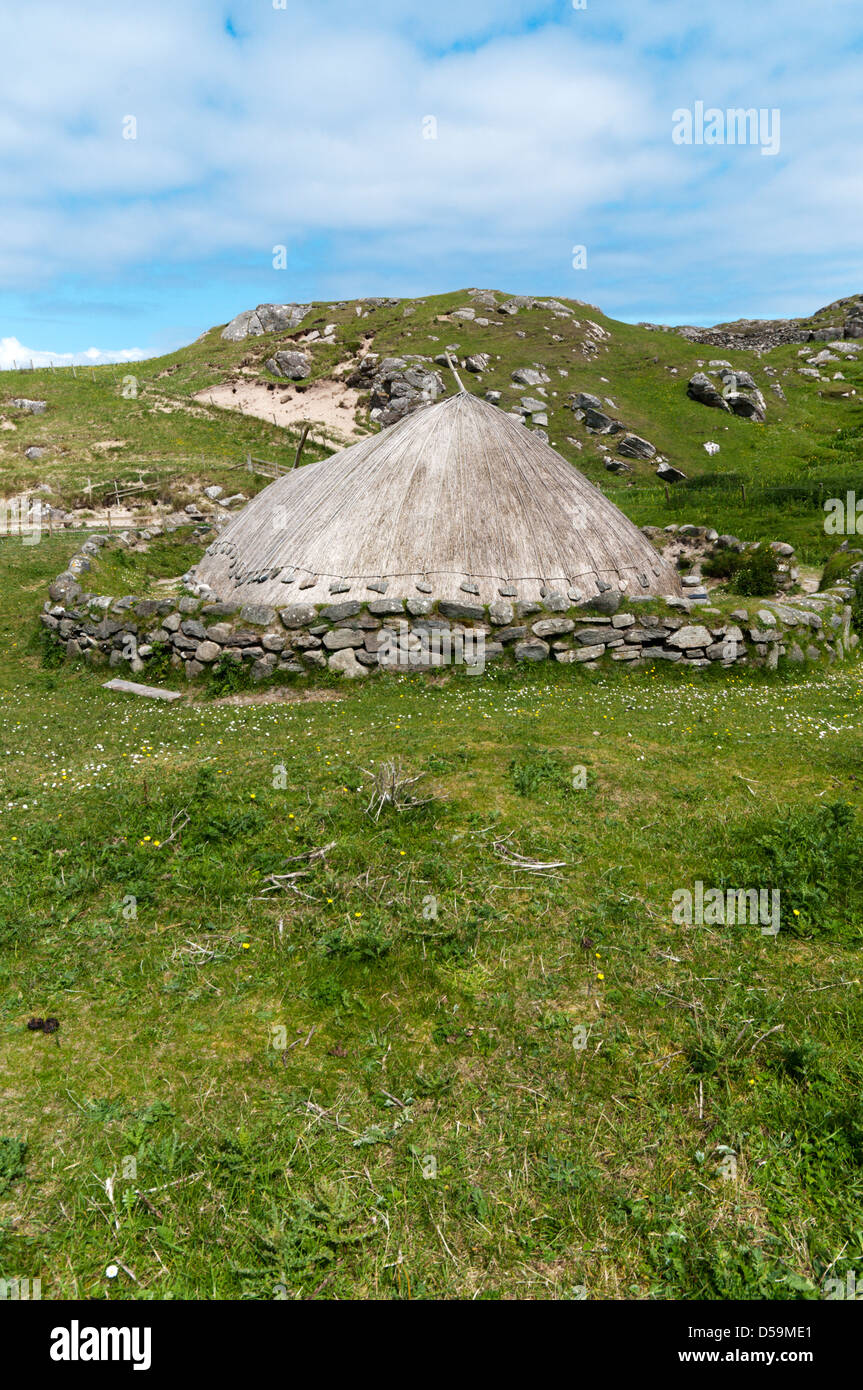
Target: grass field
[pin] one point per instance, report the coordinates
(416, 1071)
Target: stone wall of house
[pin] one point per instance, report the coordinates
(354, 638)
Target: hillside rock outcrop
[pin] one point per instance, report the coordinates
(398, 386)
(266, 318)
(739, 394)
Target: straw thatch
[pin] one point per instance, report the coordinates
(459, 501)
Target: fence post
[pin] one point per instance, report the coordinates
(306, 427)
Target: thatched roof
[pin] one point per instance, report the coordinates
(458, 501)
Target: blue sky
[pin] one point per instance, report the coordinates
(301, 123)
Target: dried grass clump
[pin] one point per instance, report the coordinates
(392, 785)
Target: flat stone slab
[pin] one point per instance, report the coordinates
(151, 692)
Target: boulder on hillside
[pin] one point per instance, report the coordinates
(668, 474)
(854, 322)
(749, 404)
(739, 394)
(599, 423)
(737, 379)
(291, 366)
(632, 446)
(702, 389)
(266, 318)
(530, 376)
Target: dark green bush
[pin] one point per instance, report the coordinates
(752, 573)
(758, 573)
(722, 565)
(229, 675)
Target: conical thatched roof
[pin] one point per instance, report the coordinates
(458, 501)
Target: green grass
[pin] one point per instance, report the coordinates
(144, 572)
(425, 1074)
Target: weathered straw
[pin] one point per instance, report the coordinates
(456, 499)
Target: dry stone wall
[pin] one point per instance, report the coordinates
(355, 638)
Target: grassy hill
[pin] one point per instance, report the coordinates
(768, 479)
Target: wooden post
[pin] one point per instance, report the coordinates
(743, 491)
(306, 427)
(667, 498)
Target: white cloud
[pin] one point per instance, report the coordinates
(15, 355)
(308, 130)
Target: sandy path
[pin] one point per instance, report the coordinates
(326, 403)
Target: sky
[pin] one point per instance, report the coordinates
(155, 155)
